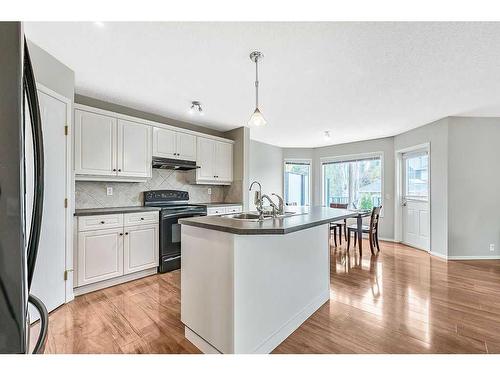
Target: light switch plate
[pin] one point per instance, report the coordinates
(109, 190)
(209, 191)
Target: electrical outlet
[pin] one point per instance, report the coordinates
(492, 247)
(209, 191)
(109, 190)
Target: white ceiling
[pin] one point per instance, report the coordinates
(357, 80)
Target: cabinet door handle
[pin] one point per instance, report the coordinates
(126, 233)
(142, 218)
(114, 169)
(119, 170)
(121, 234)
(102, 222)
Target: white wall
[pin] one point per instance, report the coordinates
(473, 187)
(435, 133)
(266, 166)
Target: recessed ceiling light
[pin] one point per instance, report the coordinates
(196, 108)
(327, 135)
(99, 24)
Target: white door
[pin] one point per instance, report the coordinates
(95, 144)
(186, 146)
(416, 215)
(164, 143)
(141, 249)
(134, 149)
(223, 161)
(48, 279)
(206, 159)
(100, 255)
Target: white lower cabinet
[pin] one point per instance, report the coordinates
(106, 254)
(100, 255)
(140, 248)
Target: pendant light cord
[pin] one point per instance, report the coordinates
(256, 83)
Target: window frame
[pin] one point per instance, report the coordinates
(299, 161)
(404, 157)
(352, 157)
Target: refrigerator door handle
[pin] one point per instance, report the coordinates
(44, 324)
(36, 126)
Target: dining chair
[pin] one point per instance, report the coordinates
(371, 229)
(341, 226)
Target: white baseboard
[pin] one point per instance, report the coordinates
(473, 257)
(111, 282)
(291, 325)
(199, 342)
(439, 255)
(389, 240)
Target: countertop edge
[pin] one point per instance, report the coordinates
(262, 231)
(113, 210)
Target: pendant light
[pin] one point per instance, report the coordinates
(256, 119)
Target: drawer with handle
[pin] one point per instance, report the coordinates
(94, 222)
(233, 209)
(216, 211)
(138, 218)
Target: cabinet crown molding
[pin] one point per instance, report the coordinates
(121, 116)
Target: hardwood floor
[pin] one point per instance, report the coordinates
(401, 301)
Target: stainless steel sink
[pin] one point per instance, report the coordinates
(252, 216)
(247, 216)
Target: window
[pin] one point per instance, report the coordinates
(416, 175)
(297, 183)
(356, 182)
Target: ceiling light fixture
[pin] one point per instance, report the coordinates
(195, 108)
(99, 24)
(256, 119)
(327, 135)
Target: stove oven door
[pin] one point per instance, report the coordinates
(170, 239)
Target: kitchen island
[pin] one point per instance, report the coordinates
(247, 285)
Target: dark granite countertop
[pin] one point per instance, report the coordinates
(113, 210)
(220, 204)
(307, 217)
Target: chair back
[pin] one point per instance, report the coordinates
(338, 205)
(375, 219)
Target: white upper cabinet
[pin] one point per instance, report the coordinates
(223, 161)
(174, 145)
(95, 144)
(206, 159)
(164, 143)
(215, 159)
(107, 148)
(186, 146)
(134, 149)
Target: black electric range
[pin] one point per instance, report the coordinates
(174, 206)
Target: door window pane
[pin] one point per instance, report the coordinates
(297, 175)
(417, 176)
(357, 183)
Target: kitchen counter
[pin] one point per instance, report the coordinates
(304, 218)
(113, 210)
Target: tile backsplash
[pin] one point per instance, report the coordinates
(92, 194)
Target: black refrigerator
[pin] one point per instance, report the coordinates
(20, 218)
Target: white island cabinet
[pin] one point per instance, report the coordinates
(246, 286)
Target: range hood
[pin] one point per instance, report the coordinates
(180, 165)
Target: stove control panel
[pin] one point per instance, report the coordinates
(165, 196)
